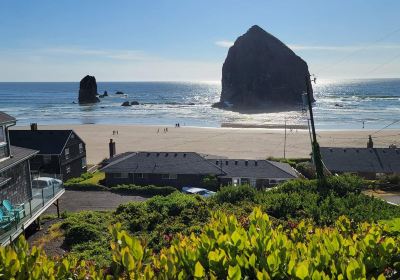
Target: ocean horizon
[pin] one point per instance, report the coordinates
(340, 104)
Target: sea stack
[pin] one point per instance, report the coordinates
(261, 72)
(88, 90)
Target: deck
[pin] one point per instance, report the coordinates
(40, 201)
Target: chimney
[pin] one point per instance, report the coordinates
(34, 127)
(111, 146)
(370, 143)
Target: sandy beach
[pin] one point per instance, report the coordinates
(251, 143)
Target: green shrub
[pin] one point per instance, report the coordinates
(81, 233)
(226, 248)
(83, 177)
(143, 190)
(306, 169)
(235, 194)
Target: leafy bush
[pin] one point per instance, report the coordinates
(228, 248)
(83, 177)
(81, 233)
(235, 194)
(143, 190)
(306, 169)
(159, 218)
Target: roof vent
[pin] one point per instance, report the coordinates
(217, 162)
(236, 162)
(357, 151)
(331, 150)
(344, 150)
(255, 163)
(383, 151)
(184, 155)
(175, 155)
(246, 163)
(166, 154)
(158, 154)
(226, 162)
(148, 154)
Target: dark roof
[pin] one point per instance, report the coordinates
(18, 155)
(254, 168)
(368, 160)
(47, 142)
(4, 118)
(162, 163)
(194, 163)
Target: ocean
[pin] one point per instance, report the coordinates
(341, 104)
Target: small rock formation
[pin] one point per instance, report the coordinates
(134, 103)
(88, 90)
(260, 71)
(119, 92)
(105, 93)
(126, 103)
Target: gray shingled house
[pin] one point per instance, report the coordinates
(61, 152)
(180, 169)
(365, 162)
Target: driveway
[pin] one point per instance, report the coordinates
(73, 201)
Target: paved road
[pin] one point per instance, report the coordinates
(392, 198)
(73, 201)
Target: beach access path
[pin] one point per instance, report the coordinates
(240, 143)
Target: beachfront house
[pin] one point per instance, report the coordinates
(184, 169)
(21, 202)
(256, 173)
(61, 152)
(176, 169)
(369, 163)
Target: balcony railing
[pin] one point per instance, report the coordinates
(17, 220)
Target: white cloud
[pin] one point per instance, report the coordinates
(224, 43)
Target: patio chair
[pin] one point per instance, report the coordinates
(15, 210)
(5, 221)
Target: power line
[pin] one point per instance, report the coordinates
(385, 127)
(346, 57)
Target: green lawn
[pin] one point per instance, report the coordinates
(97, 176)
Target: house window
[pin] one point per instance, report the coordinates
(169, 176)
(80, 148)
(141, 175)
(83, 162)
(2, 136)
(47, 159)
(68, 169)
(3, 152)
(66, 153)
(120, 175)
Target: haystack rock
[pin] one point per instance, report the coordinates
(261, 72)
(88, 90)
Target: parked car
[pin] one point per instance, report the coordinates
(199, 191)
(45, 182)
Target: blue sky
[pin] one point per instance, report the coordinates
(63, 40)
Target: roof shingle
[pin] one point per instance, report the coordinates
(47, 142)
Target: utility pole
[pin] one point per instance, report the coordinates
(315, 146)
(284, 145)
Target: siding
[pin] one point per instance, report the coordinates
(18, 189)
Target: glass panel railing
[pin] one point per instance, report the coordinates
(14, 217)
